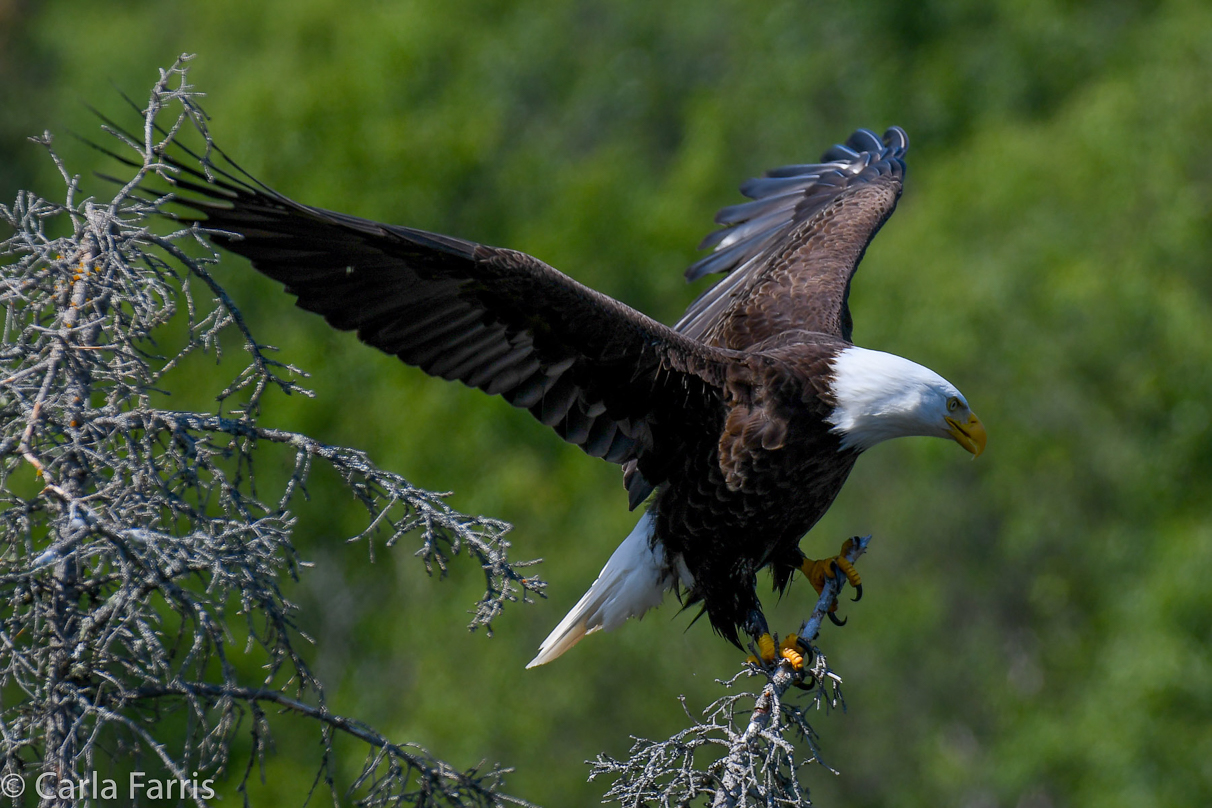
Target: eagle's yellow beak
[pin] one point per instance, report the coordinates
(970, 435)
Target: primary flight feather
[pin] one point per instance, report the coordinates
(739, 424)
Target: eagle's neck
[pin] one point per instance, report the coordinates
(882, 396)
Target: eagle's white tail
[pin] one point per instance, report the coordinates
(634, 580)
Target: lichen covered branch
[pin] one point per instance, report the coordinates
(142, 570)
(733, 757)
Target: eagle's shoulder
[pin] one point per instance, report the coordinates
(788, 396)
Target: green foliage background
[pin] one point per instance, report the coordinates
(1037, 624)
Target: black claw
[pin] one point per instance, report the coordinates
(835, 621)
(806, 651)
(858, 593)
(808, 684)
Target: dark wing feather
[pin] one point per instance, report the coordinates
(789, 255)
(603, 375)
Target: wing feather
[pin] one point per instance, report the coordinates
(601, 374)
(790, 254)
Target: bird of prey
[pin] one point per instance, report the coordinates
(738, 425)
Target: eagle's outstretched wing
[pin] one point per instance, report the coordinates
(789, 254)
(606, 377)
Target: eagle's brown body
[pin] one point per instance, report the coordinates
(725, 416)
(736, 504)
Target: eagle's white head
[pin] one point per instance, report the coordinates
(882, 396)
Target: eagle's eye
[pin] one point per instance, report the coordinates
(953, 404)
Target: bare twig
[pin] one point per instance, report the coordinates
(137, 559)
(719, 761)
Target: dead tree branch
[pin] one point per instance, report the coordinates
(726, 761)
(138, 559)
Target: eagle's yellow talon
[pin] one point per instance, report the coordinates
(818, 571)
(765, 645)
(851, 574)
(788, 649)
(848, 570)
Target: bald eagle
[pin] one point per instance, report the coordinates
(738, 425)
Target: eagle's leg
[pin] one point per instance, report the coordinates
(796, 653)
(756, 628)
(817, 571)
(789, 649)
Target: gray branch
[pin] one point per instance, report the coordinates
(721, 759)
(137, 556)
